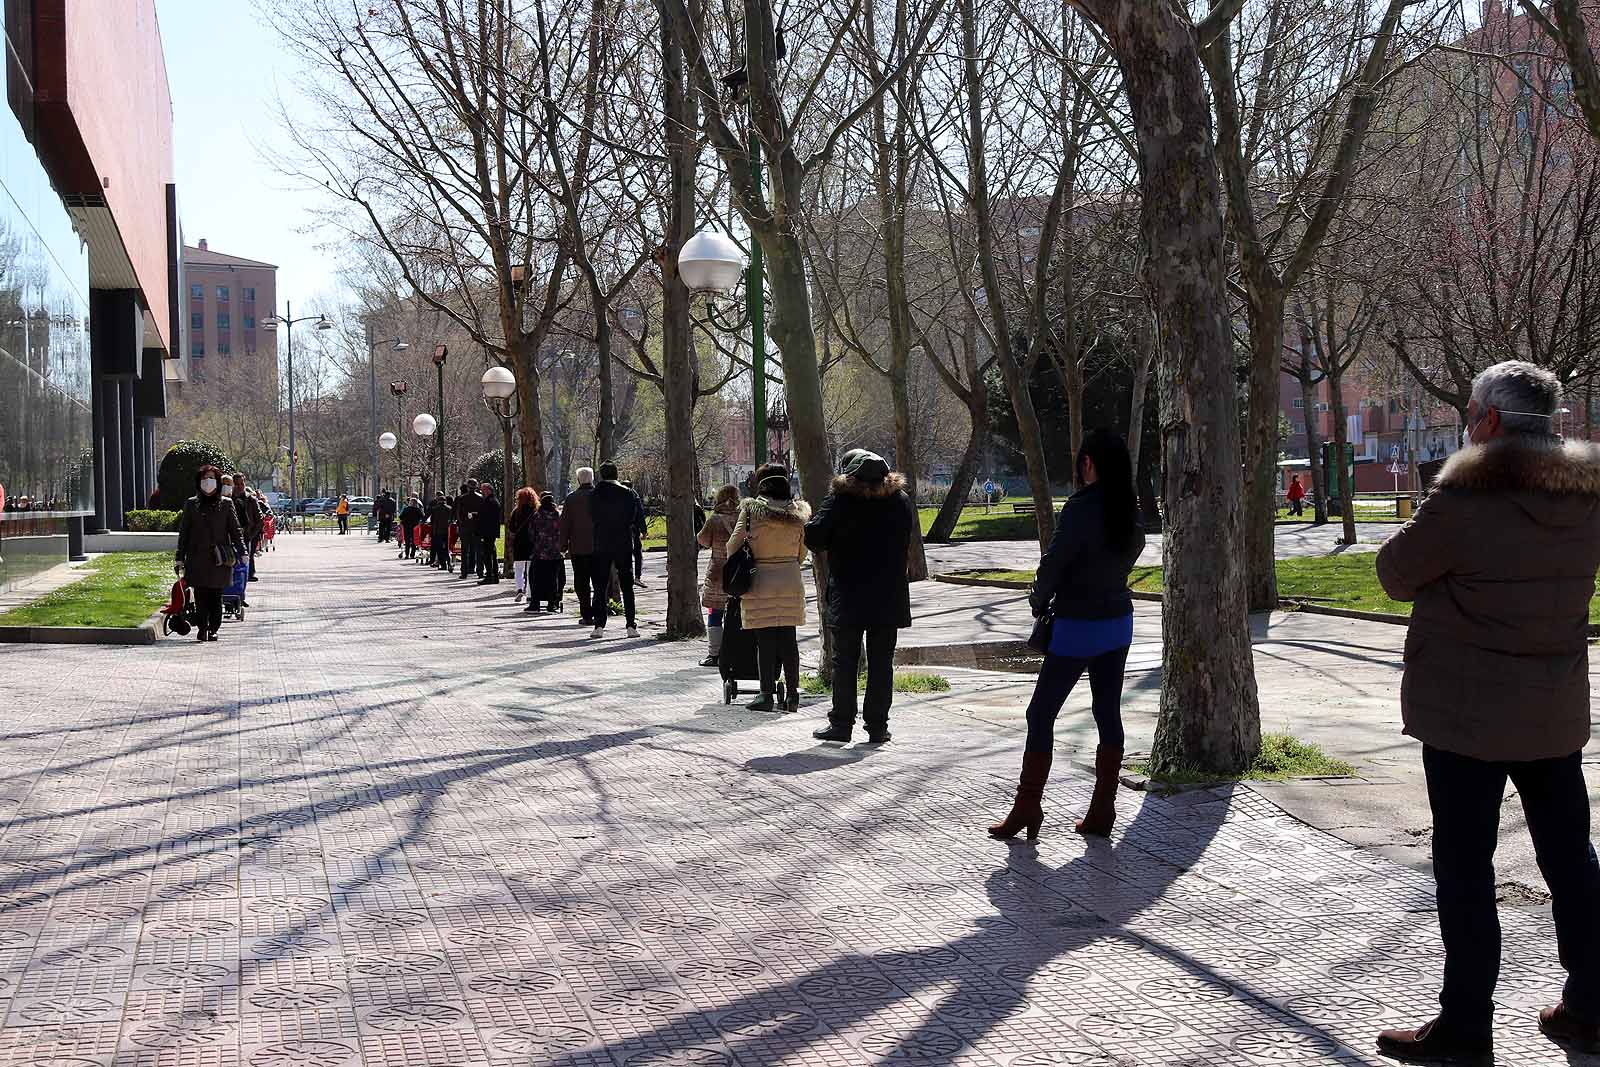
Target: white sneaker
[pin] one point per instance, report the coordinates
(597, 632)
(633, 631)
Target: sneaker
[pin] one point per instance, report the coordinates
(597, 632)
(1560, 1025)
(1431, 1044)
(253, 578)
(519, 596)
(633, 631)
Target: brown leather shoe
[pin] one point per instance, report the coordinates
(1026, 811)
(1560, 1025)
(1432, 1044)
(1102, 812)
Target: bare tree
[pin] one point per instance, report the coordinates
(1573, 30)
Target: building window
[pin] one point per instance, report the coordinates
(197, 348)
(224, 321)
(1299, 403)
(197, 320)
(197, 292)
(248, 294)
(1029, 231)
(222, 294)
(223, 347)
(249, 320)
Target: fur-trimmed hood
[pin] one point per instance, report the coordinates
(844, 485)
(1525, 464)
(793, 511)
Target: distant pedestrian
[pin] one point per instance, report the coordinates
(341, 511)
(252, 522)
(386, 505)
(520, 528)
(440, 515)
(773, 522)
(467, 524)
(209, 541)
(411, 517)
(577, 540)
(549, 573)
(714, 534)
(1082, 584)
(866, 526)
(1500, 562)
(488, 519)
(618, 517)
(1297, 496)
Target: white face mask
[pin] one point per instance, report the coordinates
(208, 485)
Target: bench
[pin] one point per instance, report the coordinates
(1023, 509)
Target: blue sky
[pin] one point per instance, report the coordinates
(227, 71)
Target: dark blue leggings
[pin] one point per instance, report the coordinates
(1055, 684)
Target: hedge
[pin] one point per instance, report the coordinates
(147, 520)
(175, 481)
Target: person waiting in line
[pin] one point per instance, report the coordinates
(1499, 563)
(519, 525)
(1082, 584)
(773, 523)
(618, 517)
(577, 541)
(467, 525)
(411, 517)
(440, 515)
(487, 526)
(251, 521)
(209, 541)
(866, 526)
(341, 511)
(549, 573)
(714, 534)
(1297, 496)
(385, 506)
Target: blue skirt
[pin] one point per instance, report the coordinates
(1087, 638)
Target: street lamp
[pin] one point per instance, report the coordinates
(710, 264)
(287, 321)
(388, 441)
(395, 345)
(398, 390)
(500, 397)
(440, 352)
(1564, 412)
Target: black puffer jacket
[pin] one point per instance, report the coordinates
(866, 529)
(1082, 576)
(487, 518)
(618, 515)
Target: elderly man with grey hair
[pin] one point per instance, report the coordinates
(577, 540)
(1500, 563)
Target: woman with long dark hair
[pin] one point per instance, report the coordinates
(1082, 585)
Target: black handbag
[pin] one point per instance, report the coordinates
(1043, 628)
(739, 573)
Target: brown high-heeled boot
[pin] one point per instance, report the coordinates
(1102, 812)
(1026, 812)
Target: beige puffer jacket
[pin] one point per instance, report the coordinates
(777, 535)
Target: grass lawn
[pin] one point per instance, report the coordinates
(904, 682)
(1282, 757)
(1374, 512)
(122, 589)
(999, 525)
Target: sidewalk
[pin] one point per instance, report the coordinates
(390, 820)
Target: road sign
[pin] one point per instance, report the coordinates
(988, 488)
(1394, 453)
(1397, 468)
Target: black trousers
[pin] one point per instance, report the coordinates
(880, 643)
(469, 555)
(208, 602)
(549, 580)
(384, 525)
(344, 523)
(408, 540)
(488, 562)
(1056, 681)
(439, 552)
(775, 644)
(255, 546)
(582, 571)
(1465, 796)
(600, 577)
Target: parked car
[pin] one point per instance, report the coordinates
(316, 505)
(276, 501)
(360, 505)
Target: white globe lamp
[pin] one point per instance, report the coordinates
(387, 442)
(424, 425)
(498, 383)
(710, 262)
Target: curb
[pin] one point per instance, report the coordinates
(146, 633)
(993, 583)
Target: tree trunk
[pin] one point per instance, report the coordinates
(606, 423)
(1341, 439)
(1141, 391)
(1071, 373)
(1308, 404)
(1209, 719)
(955, 499)
(1261, 448)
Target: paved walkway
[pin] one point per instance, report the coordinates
(387, 821)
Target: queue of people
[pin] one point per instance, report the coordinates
(221, 526)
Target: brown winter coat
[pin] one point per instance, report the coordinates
(208, 523)
(1500, 561)
(714, 535)
(776, 530)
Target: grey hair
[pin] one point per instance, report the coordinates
(1526, 396)
(585, 475)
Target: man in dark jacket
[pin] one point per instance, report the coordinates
(252, 522)
(866, 528)
(488, 531)
(577, 540)
(385, 507)
(618, 516)
(410, 516)
(467, 526)
(440, 515)
(1500, 563)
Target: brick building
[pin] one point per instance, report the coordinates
(227, 297)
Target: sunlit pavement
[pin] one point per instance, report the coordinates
(390, 821)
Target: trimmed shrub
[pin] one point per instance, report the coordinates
(175, 478)
(489, 467)
(147, 520)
